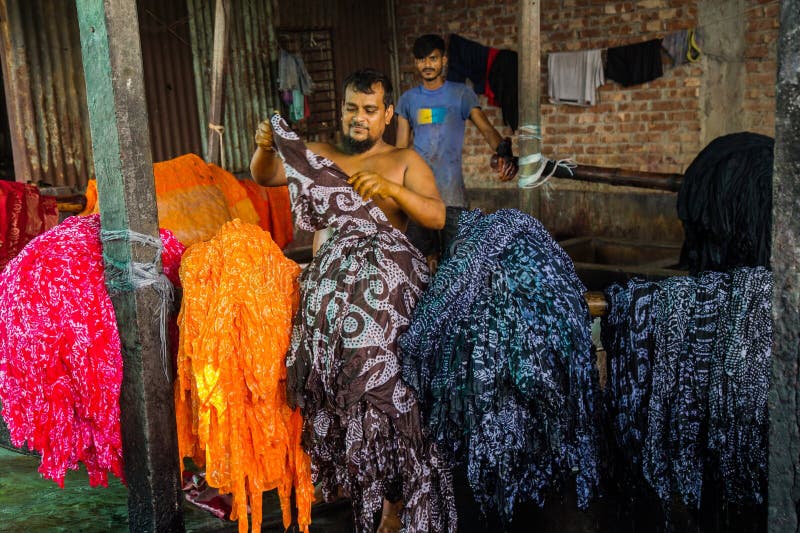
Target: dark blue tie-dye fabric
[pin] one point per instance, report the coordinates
(499, 351)
(689, 363)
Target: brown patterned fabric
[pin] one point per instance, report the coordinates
(362, 423)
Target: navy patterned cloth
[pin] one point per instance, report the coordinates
(499, 352)
(689, 366)
(362, 425)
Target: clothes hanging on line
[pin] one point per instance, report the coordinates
(682, 46)
(499, 352)
(634, 64)
(292, 73)
(492, 72)
(573, 77)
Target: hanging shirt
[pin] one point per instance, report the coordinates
(634, 64)
(438, 119)
(573, 77)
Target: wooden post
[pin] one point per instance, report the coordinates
(529, 85)
(219, 67)
(784, 414)
(112, 62)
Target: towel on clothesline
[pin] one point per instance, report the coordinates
(573, 77)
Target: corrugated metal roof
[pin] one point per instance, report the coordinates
(169, 79)
(248, 94)
(46, 93)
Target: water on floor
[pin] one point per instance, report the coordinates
(32, 504)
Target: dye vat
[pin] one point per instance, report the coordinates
(601, 261)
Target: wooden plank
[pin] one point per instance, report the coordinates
(219, 68)
(529, 84)
(121, 148)
(784, 405)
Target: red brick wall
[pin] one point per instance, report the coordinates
(651, 127)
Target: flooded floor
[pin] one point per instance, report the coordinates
(30, 503)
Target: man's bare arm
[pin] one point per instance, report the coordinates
(418, 196)
(507, 169)
(265, 166)
(403, 133)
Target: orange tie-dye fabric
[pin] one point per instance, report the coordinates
(239, 295)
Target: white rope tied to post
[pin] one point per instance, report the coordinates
(535, 179)
(528, 179)
(138, 275)
(219, 129)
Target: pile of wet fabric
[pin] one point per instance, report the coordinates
(362, 423)
(725, 204)
(499, 352)
(60, 354)
(239, 295)
(688, 376)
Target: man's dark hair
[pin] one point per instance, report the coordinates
(425, 45)
(362, 81)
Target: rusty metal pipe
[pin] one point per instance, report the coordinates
(618, 176)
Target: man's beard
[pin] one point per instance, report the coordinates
(358, 147)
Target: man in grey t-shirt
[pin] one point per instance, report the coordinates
(436, 112)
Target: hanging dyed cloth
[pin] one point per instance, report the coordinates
(500, 353)
(60, 358)
(362, 423)
(634, 64)
(274, 210)
(689, 367)
(239, 294)
(725, 204)
(24, 214)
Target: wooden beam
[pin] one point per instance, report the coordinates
(112, 63)
(784, 404)
(529, 87)
(219, 69)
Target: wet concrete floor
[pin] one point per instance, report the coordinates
(32, 504)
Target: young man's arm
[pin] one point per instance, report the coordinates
(418, 196)
(508, 169)
(403, 132)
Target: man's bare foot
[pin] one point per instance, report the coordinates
(320, 498)
(390, 517)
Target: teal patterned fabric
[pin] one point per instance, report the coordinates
(499, 352)
(689, 372)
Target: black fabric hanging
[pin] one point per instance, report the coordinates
(634, 64)
(725, 204)
(467, 60)
(503, 79)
